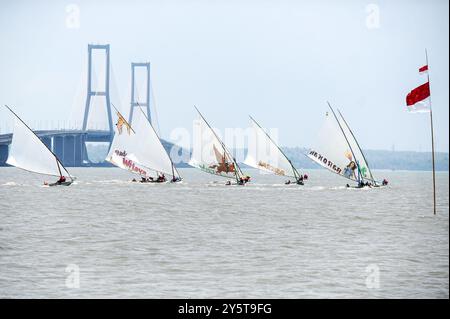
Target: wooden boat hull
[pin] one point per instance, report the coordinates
(60, 184)
(372, 186)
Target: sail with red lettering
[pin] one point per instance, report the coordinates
(138, 149)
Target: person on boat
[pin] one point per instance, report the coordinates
(242, 180)
(161, 178)
(176, 179)
(61, 180)
(300, 180)
(384, 182)
(305, 177)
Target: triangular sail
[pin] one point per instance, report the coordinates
(28, 152)
(138, 149)
(210, 155)
(364, 169)
(332, 151)
(265, 155)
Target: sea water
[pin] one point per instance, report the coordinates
(105, 236)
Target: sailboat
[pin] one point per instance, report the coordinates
(338, 151)
(29, 153)
(210, 154)
(264, 154)
(139, 150)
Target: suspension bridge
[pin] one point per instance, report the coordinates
(70, 144)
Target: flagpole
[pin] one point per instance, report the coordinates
(432, 139)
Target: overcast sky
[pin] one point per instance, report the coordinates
(279, 61)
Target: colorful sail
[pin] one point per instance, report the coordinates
(332, 150)
(265, 155)
(209, 154)
(138, 149)
(28, 152)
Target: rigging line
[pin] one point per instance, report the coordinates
(154, 109)
(114, 88)
(223, 146)
(170, 159)
(279, 148)
(345, 136)
(357, 144)
(59, 168)
(57, 159)
(152, 97)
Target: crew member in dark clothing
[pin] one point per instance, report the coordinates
(61, 180)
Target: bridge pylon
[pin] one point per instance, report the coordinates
(91, 92)
(135, 102)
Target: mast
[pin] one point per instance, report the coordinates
(223, 146)
(59, 169)
(296, 173)
(432, 139)
(58, 162)
(346, 139)
(357, 144)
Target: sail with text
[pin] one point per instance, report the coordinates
(210, 155)
(337, 150)
(29, 153)
(138, 149)
(264, 154)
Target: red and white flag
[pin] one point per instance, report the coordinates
(423, 69)
(418, 100)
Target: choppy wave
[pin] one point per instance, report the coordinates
(205, 239)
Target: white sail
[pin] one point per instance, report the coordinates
(209, 154)
(29, 153)
(138, 149)
(364, 170)
(265, 155)
(332, 150)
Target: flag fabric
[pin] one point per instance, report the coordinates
(423, 69)
(121, 122)
(418, 100)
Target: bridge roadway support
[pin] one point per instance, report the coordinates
(58, 147)
(70, 149)
(3, 154)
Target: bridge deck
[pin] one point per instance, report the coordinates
(90, 136)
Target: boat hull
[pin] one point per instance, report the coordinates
(60, 184)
